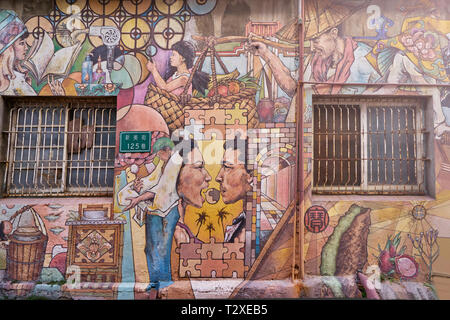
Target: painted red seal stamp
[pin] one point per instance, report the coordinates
(316, 219)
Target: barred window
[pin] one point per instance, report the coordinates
(60, 147)
(369, 146)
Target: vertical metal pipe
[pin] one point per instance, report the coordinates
(349, 138)
(300, 161)
(399, 146)
(341, 151)
(326, 145)
(392, 144)
(333, 135)
(385, 147)
(357, 144)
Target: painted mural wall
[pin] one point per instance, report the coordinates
(404, 47)
(213, 83)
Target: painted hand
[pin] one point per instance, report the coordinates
(133, 203)
(138, 184)
(151, 66)
(255, 47)
(56, 87)
(181, 235)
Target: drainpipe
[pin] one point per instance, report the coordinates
(300, 163)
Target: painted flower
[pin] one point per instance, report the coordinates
(110, 87)
(421, 44)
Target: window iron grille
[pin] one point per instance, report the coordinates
(369, 146)
(60, 147)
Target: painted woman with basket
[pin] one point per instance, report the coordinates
(176, 78)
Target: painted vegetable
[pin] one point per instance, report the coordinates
(406, 266)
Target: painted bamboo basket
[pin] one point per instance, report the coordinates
(167, 104)
(25, 254)
(172, 107)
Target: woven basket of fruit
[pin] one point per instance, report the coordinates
(224, 92)
(230, 90)
(167, 104)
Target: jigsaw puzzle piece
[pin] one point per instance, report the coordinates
(217, 250)
(215, 116)
(212, 149)
(236, 268)
(211, 267)
(233, 130)
(236, 248)
(187, 268)
(214, 131)
(198, 115)
(237, 115)
(192, 131)
(188, 250)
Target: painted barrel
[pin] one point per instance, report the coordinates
(25, 254)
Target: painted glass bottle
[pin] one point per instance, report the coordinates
(86, 70)
(99, 76)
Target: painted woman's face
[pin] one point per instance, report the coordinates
(176, 59)
(20, 49)
(193, 179)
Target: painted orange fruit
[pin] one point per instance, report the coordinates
(233, 87)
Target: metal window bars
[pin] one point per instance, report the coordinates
(368, 146)
(60, 147)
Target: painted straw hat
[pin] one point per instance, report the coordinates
(323, 15)
(289, 32)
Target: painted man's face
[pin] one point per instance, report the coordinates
(233, 177)
(193, 179)
(325, 44)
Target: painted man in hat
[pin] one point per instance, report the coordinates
(339, 59)
(334, 58)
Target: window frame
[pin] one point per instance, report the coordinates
(60, 186)
(366, 189)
